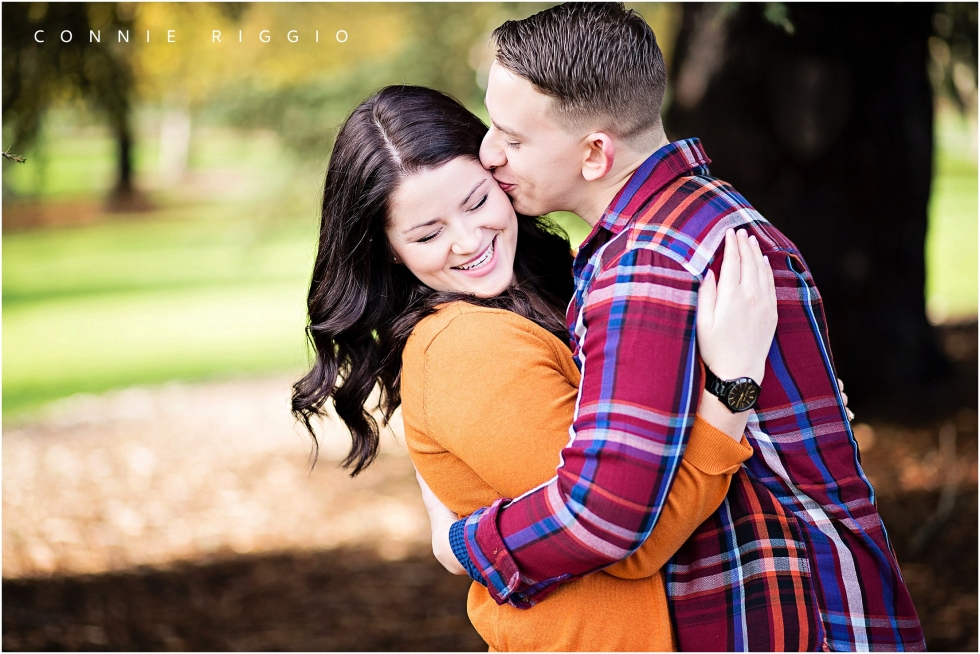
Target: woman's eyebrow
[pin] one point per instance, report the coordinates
(472, 191)
(413, 227)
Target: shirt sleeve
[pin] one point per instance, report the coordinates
(640, 385)
(710, 460)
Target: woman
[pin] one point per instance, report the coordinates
(422, 262)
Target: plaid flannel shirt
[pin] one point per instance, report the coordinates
(797, 557)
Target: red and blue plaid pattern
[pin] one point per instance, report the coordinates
(796, 558)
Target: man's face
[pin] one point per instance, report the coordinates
(535, 161)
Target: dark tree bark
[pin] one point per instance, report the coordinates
(124, 161)
(35, 74)
(825, 125)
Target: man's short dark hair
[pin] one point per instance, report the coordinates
(596, 60)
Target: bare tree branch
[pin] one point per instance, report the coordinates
(13, 157)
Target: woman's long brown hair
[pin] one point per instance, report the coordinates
(362, 307)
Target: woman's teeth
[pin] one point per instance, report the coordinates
(482, 260)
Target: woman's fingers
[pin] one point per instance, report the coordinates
(731, 263)
(754, 271)
(433, 505)
(747, 268)
(771, 281)
(707, 297)
(767, 283)
(763, 272)
(843, 397)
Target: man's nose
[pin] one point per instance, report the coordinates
(491, 154)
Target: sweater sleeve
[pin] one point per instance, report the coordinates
(497, 402)
(702, 481)
(497, 397)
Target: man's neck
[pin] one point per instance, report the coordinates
(597, 198)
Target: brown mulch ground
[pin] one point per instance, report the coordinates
(183, 517)
(27, 214)
(336, 600)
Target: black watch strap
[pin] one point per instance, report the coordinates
(713, 385)
(736, 394)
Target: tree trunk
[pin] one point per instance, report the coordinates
(125, 196)
(825, 125)
(124, 161)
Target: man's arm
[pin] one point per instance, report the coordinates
(638, 394)
(636, 405)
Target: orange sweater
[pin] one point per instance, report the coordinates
(487, 400)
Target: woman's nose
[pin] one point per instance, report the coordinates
(467, 240)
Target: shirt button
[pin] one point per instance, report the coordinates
(525, 600)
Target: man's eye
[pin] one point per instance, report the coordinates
(426, 239)
(480, 203)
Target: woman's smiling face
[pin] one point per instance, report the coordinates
(454, 229)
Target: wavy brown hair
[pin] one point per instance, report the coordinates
(363, 307)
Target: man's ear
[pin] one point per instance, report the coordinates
(600, 156)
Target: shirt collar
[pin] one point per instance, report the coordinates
(659, 170)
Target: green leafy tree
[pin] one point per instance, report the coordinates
(37, 76)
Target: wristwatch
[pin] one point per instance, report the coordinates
(737, 394)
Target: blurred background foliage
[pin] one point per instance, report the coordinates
(163, 230)
(164, 223)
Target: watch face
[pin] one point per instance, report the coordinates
(743, 395)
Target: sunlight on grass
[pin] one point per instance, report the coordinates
(153, 254)
(213, 284)
(93, 308)
(951, 243)
(61, 346)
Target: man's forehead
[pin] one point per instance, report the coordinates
(505, 82)
(513, 103)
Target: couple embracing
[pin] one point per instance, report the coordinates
(624, 448)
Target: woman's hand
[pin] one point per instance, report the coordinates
(843, 396)
(441, 518)
(736, 317)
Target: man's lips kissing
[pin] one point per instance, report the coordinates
(506, 187)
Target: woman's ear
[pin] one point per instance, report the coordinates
(600, 157)
(390, 253)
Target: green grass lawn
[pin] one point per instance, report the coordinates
(951, 243)
(118, 304)
(216, 287)
(199, 288)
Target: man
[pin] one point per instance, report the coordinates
(796, 557)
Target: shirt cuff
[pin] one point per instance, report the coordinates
(714, 452)
(457, 540)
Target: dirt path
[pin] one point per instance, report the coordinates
(180, 472)
(184, 517)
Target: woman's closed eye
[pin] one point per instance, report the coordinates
(479, 204)
(426, 239)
